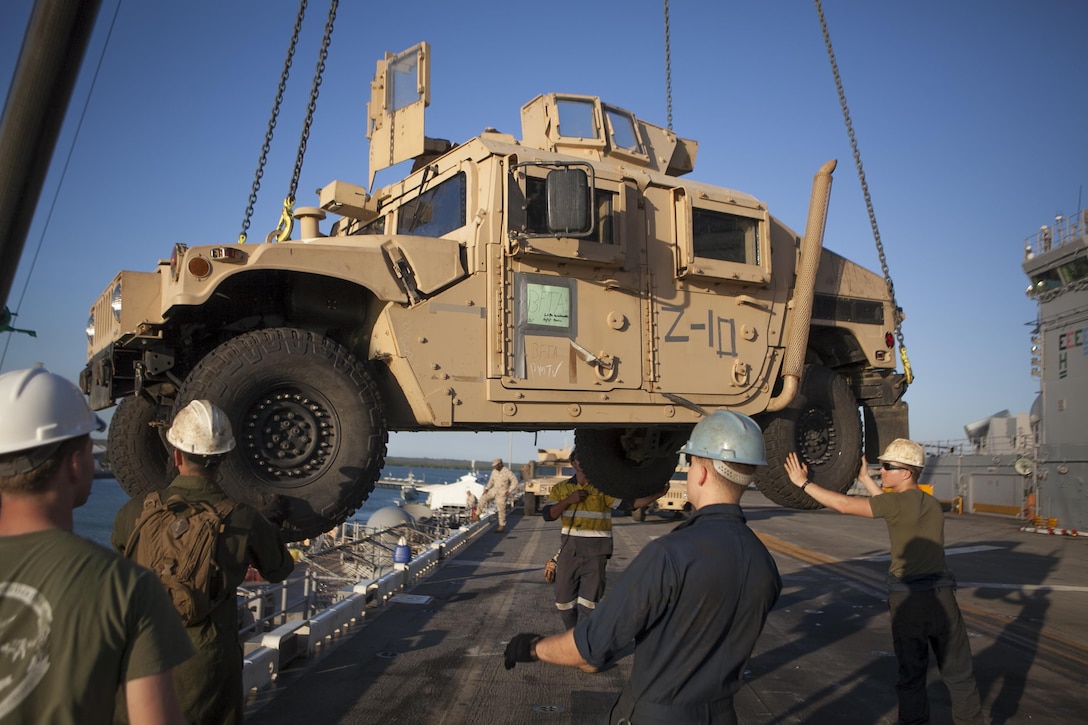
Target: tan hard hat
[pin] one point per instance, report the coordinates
(496, 463)
(906, 452)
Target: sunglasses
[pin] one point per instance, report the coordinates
(890, 467)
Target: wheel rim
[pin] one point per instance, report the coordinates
(290, 436)
(816, 436)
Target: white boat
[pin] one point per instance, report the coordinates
(441, 495)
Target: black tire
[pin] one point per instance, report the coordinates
(529, 503)
(603, 455)
(309, 423)
(138, 456)
(823, 426)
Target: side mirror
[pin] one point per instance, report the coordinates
(568, 195)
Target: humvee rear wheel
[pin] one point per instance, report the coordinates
(823, 426)
(307, 417)
(137, 454)
(628, 462)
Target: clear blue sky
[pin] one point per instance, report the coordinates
(969, 114)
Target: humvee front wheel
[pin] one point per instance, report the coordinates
(823, 426)
(307, 417)
(137, 454)
(628, 463)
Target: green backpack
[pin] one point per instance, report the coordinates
(177, 540)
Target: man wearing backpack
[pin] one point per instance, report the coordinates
(210, 684)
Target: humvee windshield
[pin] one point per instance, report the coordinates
(435, 212)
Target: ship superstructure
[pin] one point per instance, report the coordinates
(1035, 465)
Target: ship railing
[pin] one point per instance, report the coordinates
(1064, 230)
(990, 445)
(342, 579)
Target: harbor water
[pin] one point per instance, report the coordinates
(94, 520)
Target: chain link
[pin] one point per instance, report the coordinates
(319, 71)
(272, 122)
(865, 191)
(668, 67)
(287, 220)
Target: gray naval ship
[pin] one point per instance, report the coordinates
(1034, 465)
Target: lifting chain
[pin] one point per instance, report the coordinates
(272, 121)
(287, 219)
(907, 371)
(283, 231)
(668, 68)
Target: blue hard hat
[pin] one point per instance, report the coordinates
(727, 436)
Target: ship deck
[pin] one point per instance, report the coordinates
(824, 656)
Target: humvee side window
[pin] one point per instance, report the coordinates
(725, 237)
(576, 118)
(536, 212)
(437, 211)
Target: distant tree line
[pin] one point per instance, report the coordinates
(445, 463)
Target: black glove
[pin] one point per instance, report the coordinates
(520, 649)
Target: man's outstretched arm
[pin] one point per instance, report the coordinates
(853, 505)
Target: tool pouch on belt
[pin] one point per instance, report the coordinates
(549, 569)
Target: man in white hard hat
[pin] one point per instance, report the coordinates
(694, 600)
(210, 685)
(921, 590)
(499, 485)
(79, 622)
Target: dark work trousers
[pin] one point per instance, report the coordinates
(931, 619)
(628, 710)
(579, 582)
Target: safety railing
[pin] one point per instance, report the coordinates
(1063, 231)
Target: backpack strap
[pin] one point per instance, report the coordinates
(152, 502)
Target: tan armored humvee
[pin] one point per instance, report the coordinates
(552, 466)
(569, 279)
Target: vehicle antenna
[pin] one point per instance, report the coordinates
(865, 191)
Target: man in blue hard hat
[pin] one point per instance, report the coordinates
(80, 623)
(698, 595)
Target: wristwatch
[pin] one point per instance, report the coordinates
(805, 485)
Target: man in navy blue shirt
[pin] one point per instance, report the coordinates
(693, 602)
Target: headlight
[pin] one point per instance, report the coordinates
(115, 302)
(90, 329)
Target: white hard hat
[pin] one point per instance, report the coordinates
(906, 452)
(202, 429)
(38, 411)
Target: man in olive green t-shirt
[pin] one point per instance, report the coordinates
(921, 590)
(78, 623)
